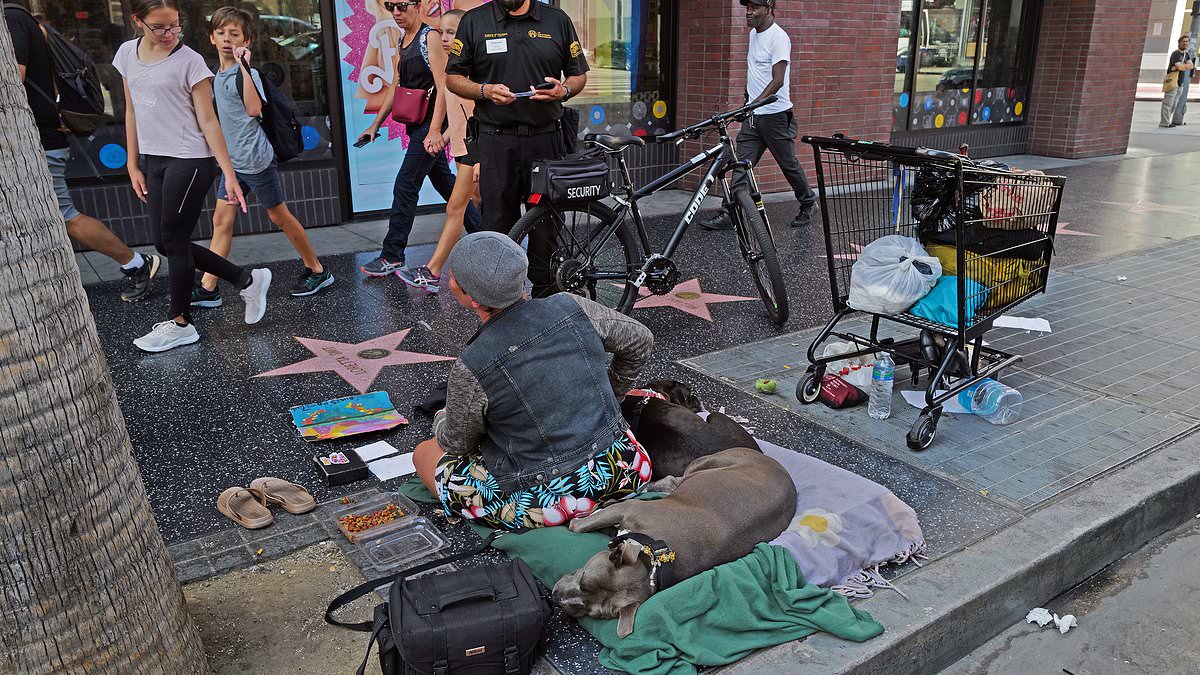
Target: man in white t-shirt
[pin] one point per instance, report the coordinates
(773, 127)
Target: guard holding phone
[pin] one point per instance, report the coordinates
(520, 59)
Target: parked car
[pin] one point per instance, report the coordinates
(956, 78)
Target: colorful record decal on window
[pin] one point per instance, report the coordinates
(311, 137)
(639, 110)
(962, 118)
(939, 121)
(1018, 108)
(660, 109)
(113, 156)
(986, 113)
(904, 100)
(929, 103)
(597, 115)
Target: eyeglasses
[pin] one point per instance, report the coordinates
(163, 30)
(402, 6)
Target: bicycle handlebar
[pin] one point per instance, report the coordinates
(738, 113)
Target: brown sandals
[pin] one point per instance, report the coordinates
(248, 506)
(292, 497)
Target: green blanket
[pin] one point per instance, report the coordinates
(712, 619)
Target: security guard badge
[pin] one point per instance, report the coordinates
(576, 50)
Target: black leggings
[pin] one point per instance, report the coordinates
(177, 189)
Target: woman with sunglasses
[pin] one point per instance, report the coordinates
(172, 136)
(419, 57)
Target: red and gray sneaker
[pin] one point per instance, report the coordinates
(420, 277)
(137, 280)
(381, 267)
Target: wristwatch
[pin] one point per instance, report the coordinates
(569, 92)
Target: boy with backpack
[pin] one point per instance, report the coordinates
(241, 110)
(40, 73)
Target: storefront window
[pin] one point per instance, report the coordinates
(949, 79)
(287, 49)
(624, 43)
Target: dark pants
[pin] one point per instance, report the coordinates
(177, 190)
(504, 163)
(418, 165)
(775, 132)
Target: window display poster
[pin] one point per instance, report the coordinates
(368, 41)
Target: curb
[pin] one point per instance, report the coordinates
(966, 598)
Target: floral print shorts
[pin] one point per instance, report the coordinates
(468, 491)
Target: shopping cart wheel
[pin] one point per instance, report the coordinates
(809, 388)
(923, 430)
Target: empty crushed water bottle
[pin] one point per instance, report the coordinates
(882, 378)
(993, 401)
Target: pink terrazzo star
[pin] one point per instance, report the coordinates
(686, 297)
(858, 248)
(357, 364)
(1063, 229)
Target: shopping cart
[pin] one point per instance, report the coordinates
(995, 224)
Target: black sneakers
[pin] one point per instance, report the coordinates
(202, 297)
(137, 280)
(310, 282)
(719, 221)
(804, 217)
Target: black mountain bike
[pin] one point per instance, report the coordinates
(596, 253)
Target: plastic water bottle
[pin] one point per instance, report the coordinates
(882, 377)
(993, 401)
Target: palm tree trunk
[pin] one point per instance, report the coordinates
(85, 582)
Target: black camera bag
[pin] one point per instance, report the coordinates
(478, 621)
(581, 177)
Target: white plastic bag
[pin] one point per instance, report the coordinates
(855, 370)
(891, 274)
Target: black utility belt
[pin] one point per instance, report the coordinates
(519, 129)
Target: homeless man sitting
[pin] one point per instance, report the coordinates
(532, 433)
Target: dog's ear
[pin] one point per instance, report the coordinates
(625, 619)
(630, 550)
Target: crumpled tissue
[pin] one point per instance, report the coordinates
(1042, 616)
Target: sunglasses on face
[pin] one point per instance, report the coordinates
(399, 6)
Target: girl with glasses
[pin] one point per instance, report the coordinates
(172, 136)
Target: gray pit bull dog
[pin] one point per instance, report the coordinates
(718, 511)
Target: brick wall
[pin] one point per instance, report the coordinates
(842, 69)
(1085, 76)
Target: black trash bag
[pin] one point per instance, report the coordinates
(935, 211)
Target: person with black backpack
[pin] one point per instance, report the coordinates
(39, 70)
(243, 112)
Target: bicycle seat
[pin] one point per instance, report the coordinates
(615, 142)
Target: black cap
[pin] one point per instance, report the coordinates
(764, 3)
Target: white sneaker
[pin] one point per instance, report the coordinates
(167, 335)
(255, 295)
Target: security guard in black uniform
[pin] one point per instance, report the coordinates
(502, 51)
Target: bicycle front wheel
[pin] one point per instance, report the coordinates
(759, 252)
(581, 249)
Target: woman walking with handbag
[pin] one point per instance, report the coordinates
(176, 148)
(415, 103)
(466, 182)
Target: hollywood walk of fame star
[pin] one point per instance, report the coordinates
(1063, 229)
(1147, 206)
(687, 297)
(357, 364)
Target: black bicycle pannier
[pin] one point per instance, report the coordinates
(574, 178)
(477, 621)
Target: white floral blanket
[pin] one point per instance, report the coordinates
(845, 526)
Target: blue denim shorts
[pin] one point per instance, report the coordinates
(56, 160)
(264, 184)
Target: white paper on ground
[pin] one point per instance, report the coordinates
(1039, 615)
(374, 450)
(917, 400)
(1022, 322)
(393, 467)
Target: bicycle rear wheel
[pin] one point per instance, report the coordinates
(580, 249)
(759, 252)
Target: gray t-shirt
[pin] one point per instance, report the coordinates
(161, 94)
(249, 149)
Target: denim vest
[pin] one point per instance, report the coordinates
(550, 406)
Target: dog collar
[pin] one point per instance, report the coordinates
(646, 394)
(657, 553)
